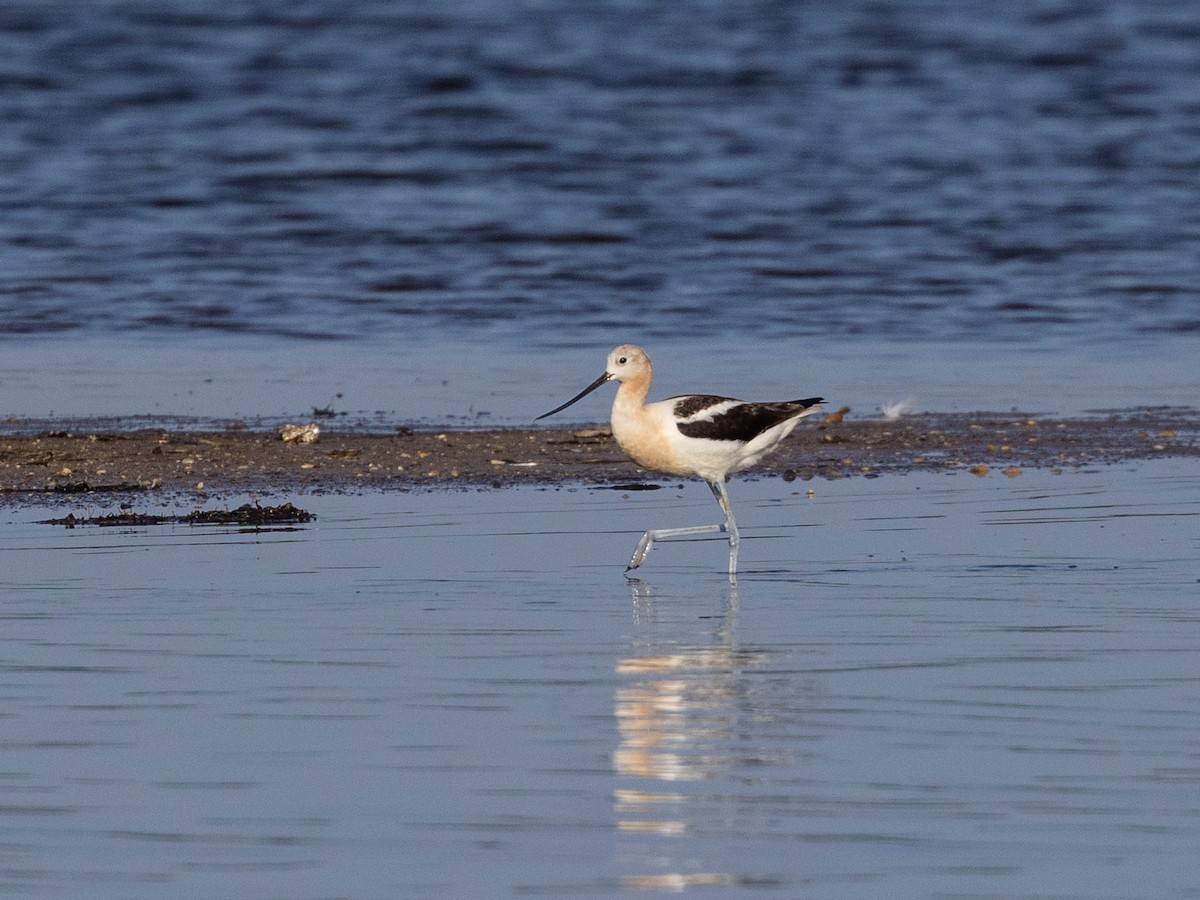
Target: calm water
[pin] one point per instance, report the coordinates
(935, 686)
(557, 173)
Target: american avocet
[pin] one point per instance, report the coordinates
(697, 435)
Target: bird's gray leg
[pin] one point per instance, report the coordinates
(730, 526)
(647, 542)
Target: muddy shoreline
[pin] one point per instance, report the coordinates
(44, 464)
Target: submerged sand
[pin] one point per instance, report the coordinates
(47, 464)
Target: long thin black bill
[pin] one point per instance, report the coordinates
(587, 390)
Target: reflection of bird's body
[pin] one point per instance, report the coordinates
(699, 435)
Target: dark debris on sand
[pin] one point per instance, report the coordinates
(246, 515)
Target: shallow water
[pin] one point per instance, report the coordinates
(919, 686)
(377, 385)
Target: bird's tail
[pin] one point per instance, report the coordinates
(808, 401)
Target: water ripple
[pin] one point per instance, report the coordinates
(984, 171)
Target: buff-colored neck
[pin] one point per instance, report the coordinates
(631, 395)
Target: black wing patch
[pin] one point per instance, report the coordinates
(688, 406)
(743, 422)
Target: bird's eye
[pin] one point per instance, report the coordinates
(622, 361)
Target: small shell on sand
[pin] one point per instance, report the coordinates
(299, 434)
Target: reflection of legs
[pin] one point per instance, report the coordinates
(647, 542)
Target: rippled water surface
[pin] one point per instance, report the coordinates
(920, 686)
(556, 172)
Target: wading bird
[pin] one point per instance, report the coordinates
(697, 435)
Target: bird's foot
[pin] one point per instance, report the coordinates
(639, 554)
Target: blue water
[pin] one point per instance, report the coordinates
(554, 174)
(922, 686)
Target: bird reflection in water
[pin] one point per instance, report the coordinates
(686, 713)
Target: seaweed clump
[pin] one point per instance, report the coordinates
(247, 514)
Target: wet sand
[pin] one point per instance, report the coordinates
(43, 463)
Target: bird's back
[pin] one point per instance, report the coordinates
(710, 436)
